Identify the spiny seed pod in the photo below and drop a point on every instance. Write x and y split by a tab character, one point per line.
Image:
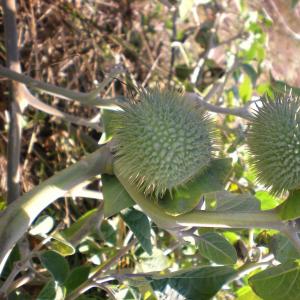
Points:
274	142
162	141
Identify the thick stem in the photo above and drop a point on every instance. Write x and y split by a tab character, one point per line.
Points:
19	215
17	103
226	219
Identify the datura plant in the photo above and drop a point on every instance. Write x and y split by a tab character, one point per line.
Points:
162	141
274	142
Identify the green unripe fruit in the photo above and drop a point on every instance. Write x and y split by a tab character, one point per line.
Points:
162	141
274	142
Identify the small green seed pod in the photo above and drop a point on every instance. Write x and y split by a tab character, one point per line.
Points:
274	142
162	141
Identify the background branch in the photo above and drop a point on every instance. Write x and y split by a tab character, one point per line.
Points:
84	98
287	28
17	103
242	112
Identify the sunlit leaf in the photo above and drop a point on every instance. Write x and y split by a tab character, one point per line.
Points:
246	293
42	225
245	89
155	262
61	245
267	201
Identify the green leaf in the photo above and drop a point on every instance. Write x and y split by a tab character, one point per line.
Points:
224	201
61	245
139	224
52	291
68	233
115	196
249	70
187	197
267	201
246	293
215	247
245	89
183	72
278	283
265	89
201	283
290	208
55	264
283	249
108	233
76	277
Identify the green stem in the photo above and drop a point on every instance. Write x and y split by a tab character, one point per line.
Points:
226	219
149	207
18	216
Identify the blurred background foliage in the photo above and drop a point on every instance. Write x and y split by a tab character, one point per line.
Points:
230	51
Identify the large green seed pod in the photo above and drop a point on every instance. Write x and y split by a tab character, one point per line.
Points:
162	141
274	142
